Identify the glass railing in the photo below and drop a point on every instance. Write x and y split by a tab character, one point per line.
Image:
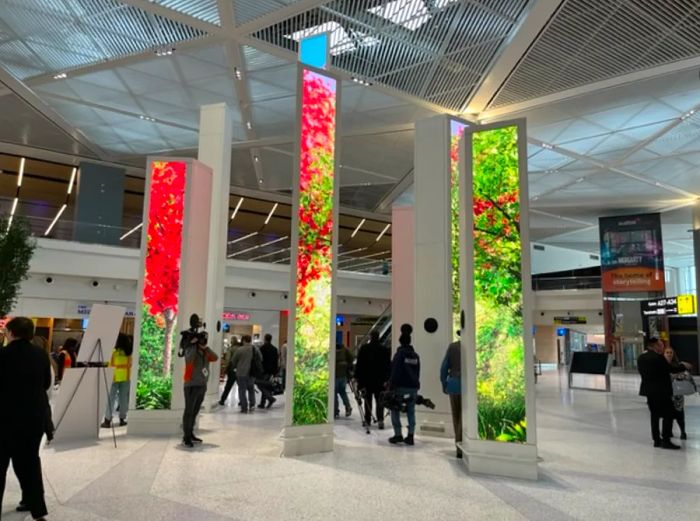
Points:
558	283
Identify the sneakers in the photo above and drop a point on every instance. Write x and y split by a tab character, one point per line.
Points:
122	423
195	439
222	403
666	444
107	424
380	426
396	439
408	440
244	410
348	411
188	443
271	401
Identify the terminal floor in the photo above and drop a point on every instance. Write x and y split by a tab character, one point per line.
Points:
597	464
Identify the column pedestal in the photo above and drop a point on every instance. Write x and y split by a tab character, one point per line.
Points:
307	439
500	459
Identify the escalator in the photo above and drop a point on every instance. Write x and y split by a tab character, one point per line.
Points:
383	327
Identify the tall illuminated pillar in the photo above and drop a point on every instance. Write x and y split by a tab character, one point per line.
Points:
311	333
497	350
172	285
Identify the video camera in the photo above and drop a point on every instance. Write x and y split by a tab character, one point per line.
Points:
193	336
399	402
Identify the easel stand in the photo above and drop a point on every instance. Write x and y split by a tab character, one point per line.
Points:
96	350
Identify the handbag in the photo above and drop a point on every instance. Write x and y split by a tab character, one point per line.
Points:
684	387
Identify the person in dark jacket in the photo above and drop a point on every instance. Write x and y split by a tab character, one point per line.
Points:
451	379
405	382
271	366
372	372
25	377
656	386
343	370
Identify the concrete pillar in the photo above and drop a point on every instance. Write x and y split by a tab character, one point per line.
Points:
402	269
433	272
100	204
215	151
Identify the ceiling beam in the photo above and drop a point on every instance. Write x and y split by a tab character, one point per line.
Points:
512	51
397	191
30	98
278	15
171	14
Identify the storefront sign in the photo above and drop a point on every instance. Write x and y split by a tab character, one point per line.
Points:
570	320
84	309
687	304
631	253
681	305
235	315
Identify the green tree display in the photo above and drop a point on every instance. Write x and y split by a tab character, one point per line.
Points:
16	250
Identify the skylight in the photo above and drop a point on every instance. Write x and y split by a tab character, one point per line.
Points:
340	39
409	13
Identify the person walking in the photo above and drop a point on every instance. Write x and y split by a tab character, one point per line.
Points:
270	363
679	400
197	358
230	370
656	386
372	373
343	370
121	382
66	357
247	361
25	378
451	379
405	382
283	364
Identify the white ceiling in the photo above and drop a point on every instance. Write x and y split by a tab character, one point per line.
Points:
606	135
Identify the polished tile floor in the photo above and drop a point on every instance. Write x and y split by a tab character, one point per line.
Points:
597	464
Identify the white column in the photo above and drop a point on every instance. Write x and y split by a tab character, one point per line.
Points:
432	297
402	269
215	151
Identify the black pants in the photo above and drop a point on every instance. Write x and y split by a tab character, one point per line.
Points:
379	409
194	396
679	416
230	380
265	386
456	407
661	407
23	451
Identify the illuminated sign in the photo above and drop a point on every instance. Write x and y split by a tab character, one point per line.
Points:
235	315
687	304
680	305
570	320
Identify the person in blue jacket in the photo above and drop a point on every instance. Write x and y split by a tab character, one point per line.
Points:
405	382
451	378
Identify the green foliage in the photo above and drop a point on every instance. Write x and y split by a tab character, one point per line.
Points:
154	388
498	286
16	250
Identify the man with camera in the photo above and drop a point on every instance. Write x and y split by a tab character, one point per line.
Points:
193	346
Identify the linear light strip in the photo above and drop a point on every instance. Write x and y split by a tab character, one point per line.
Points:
20	174
350	252
131	231
272	254
55	219
257	246
238	207
358	228
243	238
365	257
269	216
386	229
72	180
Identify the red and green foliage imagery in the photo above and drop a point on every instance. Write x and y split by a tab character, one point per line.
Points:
500	353
312	336
456	133
161	284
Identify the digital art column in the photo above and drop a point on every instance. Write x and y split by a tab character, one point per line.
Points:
163	227
498	291
456	133
315	217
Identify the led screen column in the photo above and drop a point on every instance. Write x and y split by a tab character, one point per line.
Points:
499	413
312	324
456	133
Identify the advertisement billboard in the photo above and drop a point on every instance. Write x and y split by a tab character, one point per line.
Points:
631	253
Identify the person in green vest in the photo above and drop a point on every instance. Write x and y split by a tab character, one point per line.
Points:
121	383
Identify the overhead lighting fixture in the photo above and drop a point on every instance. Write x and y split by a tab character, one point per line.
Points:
237	73
258	246
361	81
410	14
269	216
165	51
137	227
358	228
20	173
60	76
271	254
351	252
547	146
256	158
249	125
386	229
55	219
72	180
12	212
243	238
238	207
147	118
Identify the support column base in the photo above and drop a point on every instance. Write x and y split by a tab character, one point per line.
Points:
307	439
165	422
434	424
500	459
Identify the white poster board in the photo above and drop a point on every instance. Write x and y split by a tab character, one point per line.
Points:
104	324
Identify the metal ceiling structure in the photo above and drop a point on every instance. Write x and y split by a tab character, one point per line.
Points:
609	88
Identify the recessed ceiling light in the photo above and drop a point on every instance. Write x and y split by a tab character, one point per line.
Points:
60	76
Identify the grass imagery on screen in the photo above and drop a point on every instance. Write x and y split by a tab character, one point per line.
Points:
456	133
161	284
312	335
500	374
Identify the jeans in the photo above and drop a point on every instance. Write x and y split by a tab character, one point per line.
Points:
23	451
341	388
246	392
230	380
410	396
119	390
194	396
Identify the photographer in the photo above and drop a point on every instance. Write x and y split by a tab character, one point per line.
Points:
405	382
193	346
